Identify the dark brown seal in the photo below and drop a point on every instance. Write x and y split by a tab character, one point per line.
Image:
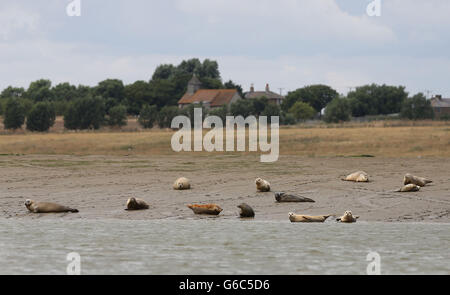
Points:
246	211
136	204
283	197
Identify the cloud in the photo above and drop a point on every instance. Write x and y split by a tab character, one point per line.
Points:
15	21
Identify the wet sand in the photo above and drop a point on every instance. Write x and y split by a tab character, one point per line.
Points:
99	186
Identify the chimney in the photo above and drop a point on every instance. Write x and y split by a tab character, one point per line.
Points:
267	87
252	88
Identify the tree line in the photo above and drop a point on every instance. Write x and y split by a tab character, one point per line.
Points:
155	101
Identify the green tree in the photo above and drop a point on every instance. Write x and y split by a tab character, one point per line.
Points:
110	88
231	85
259	105
85	113
165	116
287	119
271	110
302	111
12	92
317	96
137	94
39	90
117	116
338	110
41	117
148	116
14	116
64	92
377	100
242	107
220	112
417	108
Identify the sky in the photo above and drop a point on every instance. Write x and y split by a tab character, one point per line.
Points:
286	43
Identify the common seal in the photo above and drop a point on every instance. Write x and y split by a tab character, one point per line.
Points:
347	217
358	176
411	179
182	184
136	204
44	207
246	211
305	218
262	185
208	209
409	188
283	197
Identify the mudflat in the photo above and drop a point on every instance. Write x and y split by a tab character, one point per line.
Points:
99	186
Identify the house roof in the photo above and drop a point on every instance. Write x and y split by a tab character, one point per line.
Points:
440	102
215	97
258	94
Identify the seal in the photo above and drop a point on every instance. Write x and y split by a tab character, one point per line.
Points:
44	207
284	198
411	179
246	211
347	217
358	176
306	218
136	204
409	188
208	209
182	184
262	185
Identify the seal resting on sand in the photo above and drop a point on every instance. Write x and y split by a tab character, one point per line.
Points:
136	204
359	176
283	197
182	184
305	218
208	209
44	207
246	211
411	179
409	188
347	217
262	185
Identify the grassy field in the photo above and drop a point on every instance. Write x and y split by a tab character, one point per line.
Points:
382	138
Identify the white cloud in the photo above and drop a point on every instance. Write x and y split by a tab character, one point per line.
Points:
15	20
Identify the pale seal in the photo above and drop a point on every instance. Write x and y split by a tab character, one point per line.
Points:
136	204
246	211
182	184
44	207
359	176
306	218
284	198
409	188
208	209
262	185
411	179
347	217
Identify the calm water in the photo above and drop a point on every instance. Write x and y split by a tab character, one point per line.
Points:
221	247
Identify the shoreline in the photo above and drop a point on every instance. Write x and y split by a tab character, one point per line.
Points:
99	186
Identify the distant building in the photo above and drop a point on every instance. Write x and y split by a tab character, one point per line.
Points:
209	98
271	96
441	106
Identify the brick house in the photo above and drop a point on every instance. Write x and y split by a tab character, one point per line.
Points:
441	106
209	98
271	96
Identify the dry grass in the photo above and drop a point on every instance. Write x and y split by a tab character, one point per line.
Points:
356	139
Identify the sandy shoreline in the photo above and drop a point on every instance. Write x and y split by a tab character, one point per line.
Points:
99	186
